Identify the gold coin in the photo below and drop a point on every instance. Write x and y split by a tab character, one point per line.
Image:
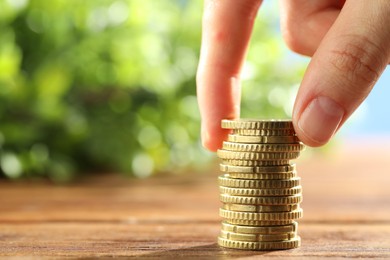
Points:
256	237
255	163
262	148
248	222
261	176
261	192
256	124
263	216
268	132
260	230
257	169
263	139
276	245
260	208
226	198
224	154
259	184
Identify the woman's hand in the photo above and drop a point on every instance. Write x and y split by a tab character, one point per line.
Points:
349	44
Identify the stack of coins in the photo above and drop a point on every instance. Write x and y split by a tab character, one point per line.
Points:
260	190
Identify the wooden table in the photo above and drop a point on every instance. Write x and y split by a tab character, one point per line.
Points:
346	212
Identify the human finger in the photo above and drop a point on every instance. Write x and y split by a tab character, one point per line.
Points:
227	26
343	70
305	23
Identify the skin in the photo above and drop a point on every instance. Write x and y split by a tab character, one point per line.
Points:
349	42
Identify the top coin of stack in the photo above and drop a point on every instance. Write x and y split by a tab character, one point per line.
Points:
260	190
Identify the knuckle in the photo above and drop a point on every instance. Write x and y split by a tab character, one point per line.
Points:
357	61
294	36
292	39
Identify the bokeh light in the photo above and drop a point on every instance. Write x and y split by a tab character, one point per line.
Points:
109	86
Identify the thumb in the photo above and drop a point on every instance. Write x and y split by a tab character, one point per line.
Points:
343	70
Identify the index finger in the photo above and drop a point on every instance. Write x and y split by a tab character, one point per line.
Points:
227	26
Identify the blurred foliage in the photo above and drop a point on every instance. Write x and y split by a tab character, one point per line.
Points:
99	85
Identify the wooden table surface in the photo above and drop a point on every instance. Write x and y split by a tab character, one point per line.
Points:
346	212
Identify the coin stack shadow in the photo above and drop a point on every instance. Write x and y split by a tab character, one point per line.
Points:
260	190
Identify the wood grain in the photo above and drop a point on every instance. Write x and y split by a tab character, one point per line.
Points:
346	213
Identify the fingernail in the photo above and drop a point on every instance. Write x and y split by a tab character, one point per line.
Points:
320	120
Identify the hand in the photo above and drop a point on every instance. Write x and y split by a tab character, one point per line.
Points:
349	44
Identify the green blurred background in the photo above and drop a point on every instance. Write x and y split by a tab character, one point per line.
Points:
109	86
